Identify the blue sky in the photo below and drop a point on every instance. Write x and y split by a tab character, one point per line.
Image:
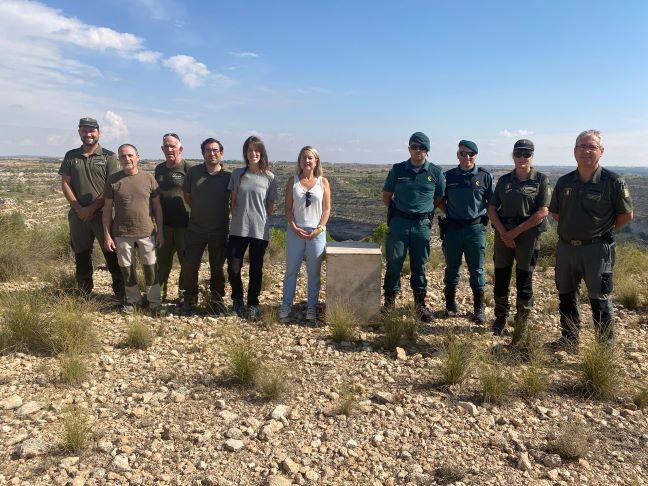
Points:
352	78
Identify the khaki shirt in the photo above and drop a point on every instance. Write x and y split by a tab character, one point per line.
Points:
88	175
131	195
210	200
516	200
589	209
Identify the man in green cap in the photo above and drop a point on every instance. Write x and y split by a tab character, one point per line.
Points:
589	203
84	171
468	189
170	176
412	190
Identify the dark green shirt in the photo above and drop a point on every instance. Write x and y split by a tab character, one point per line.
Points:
414	190
589	209
88	174
467	192
516	200
175	211
209	200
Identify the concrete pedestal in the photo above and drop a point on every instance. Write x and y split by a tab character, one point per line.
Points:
353	276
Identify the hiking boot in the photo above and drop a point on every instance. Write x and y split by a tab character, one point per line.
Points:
390	302
423	313
254	313
237	307
186	309
284	313
311	313
479	308
563	344
450	302
128	309
158	311
498	325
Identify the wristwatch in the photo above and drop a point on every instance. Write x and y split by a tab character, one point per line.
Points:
321	228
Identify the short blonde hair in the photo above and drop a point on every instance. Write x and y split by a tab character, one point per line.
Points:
318	168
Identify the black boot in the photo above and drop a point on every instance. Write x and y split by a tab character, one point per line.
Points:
450	303
422	311
479	307
502	308
603	320
390	302
523	309
569	323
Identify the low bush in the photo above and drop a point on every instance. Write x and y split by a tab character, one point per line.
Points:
276	249
399	325
342	321
348	398
573	442
271	382
76	430
640	399
456	360
600	370
138	334
72	367
534	380
243	364
496	385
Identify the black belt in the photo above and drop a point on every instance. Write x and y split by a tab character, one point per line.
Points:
607	237
464	222
414	216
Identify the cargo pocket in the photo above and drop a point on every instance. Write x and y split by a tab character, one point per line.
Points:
606	283
534	259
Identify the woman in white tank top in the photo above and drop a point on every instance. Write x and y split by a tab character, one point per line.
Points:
307	207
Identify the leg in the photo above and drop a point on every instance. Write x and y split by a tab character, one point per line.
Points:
81	240
314	255
257	252
475	248
568	276
503	257
419	252
397	242
217	250
111	258
236	247
599	280
179	236
452	251
126	259
295	249
165	258
147	255
194	248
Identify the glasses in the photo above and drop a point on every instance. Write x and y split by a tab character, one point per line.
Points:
215	150
527	154
308	198
416	146
463	153
174	135
588	147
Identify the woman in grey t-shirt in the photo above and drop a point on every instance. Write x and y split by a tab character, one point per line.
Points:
253	194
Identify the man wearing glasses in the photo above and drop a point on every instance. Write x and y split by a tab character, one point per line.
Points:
170	176
468	189
205	192
412	190
589	204
518	211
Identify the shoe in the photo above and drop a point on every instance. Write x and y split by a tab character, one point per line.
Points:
479	308
284	313
390	302
311	313
563	344
423	313
158	311
128	309
451	304
498	326
186	309
254	313
237	307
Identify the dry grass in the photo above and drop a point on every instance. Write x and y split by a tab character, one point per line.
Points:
138	334
640	399
72	368
342	321
271	382
76	430
456	361
400	326
601	373
449	473
573	442
495	383
243	364
269	316
348	398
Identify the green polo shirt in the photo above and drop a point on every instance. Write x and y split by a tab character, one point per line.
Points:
589	209
88	174
415	188
209	200
175	211
516	200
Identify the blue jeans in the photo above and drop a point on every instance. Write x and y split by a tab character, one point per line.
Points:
296	250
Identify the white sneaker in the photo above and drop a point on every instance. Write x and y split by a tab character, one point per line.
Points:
311	314
284	313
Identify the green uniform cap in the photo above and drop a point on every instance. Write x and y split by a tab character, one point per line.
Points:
468	144
88	122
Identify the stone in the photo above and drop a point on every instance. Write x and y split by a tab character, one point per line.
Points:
353	275
234	445
227	416
29	408
18	437
524	463
552	461
383	397
280	411
31	448
270	429
277	480
290	466
68	463
469	407
11	402
104	445
553	474
401	355
234	433
120	463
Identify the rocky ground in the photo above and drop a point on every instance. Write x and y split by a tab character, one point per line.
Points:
171	415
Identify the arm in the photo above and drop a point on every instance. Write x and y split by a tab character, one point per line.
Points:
84	213
501	231
326	208
622	219
106	220
288	211
555	216
269	207
232	202
439	203
157	215
534	220
387	197
187	198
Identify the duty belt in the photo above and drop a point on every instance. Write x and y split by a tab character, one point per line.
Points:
607	237
413	216
464	222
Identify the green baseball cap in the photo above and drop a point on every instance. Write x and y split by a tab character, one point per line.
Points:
88	122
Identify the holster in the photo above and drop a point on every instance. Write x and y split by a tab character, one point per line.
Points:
443	226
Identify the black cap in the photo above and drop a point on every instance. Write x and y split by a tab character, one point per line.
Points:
524	144
88	122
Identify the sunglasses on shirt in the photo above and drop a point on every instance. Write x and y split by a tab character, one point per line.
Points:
308	198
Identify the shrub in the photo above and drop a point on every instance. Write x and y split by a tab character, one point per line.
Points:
276	250
25	324
531	346
456	361
269	315
243	363
496	385
573	442
341	321
76	430
600	370
138	334
61	281
72	367
640	398
534	380
73	330
271	382
449	473
399	325
627	292
348	398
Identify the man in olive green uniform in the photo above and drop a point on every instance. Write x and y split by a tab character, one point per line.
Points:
205	191
170	176
83	176
589	204
411	191
518	211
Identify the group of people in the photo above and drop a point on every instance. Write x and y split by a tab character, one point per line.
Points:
205	206
589	204
194	207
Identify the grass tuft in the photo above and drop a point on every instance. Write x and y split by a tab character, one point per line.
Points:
271	382
573	442
348	398
640	399
399	326
76	430
449	473
628	293
269	315
456	361
72	367
138	334
496	385
534	380
600	370
243	363
341	321
276	249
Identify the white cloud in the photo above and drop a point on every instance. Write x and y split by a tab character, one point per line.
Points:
244	54
515	133
192	72
114	128
147	56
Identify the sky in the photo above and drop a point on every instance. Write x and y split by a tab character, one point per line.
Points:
352	78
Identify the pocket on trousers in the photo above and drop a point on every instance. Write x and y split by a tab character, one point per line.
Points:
606	283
